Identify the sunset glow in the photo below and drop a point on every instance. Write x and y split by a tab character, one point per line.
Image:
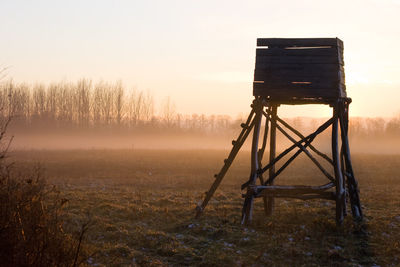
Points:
201	54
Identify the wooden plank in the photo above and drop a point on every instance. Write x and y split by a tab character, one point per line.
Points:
299	42
304	70
316	87
280	97
262	61
300	93
301	67
290	72
287	85
325	195
294	189
276	51
331	53
302	100
274	79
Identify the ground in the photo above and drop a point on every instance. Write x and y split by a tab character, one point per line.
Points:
141	204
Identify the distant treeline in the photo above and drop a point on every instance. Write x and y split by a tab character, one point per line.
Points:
85	104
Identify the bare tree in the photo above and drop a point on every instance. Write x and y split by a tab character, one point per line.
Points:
168	111
82	101
119	101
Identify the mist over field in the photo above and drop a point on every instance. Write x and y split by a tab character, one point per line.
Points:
88	115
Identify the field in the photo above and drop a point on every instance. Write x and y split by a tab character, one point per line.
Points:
141	207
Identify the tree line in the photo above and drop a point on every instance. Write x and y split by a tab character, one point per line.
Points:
85	104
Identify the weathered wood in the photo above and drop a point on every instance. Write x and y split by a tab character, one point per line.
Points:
247	212
344	175
301	67
299	42
290	75
305	139
291	189
296	71
276	51
302	92
219	177
306	152
265	137
283	167
262	61
324	195
261	155
351	181
319	153
245	126
317	85
295	82
272	151
301	101
298	68
340	194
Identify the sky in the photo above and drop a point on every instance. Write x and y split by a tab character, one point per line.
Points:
199	53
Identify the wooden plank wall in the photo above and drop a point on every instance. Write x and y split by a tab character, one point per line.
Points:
299	68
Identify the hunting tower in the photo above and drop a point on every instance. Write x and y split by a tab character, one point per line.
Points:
296	72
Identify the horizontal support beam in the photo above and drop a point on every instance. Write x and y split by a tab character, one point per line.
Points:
291	189
326	195
265	61
307	52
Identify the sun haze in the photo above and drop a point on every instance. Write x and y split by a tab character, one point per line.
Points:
200	53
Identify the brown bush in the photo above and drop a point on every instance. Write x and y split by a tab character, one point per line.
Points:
31	225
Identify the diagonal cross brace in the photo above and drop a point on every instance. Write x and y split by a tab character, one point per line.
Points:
308	139
319	153
303	148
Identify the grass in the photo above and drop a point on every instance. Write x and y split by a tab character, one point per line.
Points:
141	207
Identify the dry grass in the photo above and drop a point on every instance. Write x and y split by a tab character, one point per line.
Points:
142	207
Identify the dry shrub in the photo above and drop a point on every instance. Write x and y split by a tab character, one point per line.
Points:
31	225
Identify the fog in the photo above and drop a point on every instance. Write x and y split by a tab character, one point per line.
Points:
79	139
87	115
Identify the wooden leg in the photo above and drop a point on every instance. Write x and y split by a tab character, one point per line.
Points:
247	212
272	151
343	169
351	181
261	155
336	165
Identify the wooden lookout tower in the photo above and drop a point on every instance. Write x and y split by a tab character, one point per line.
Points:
296	72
